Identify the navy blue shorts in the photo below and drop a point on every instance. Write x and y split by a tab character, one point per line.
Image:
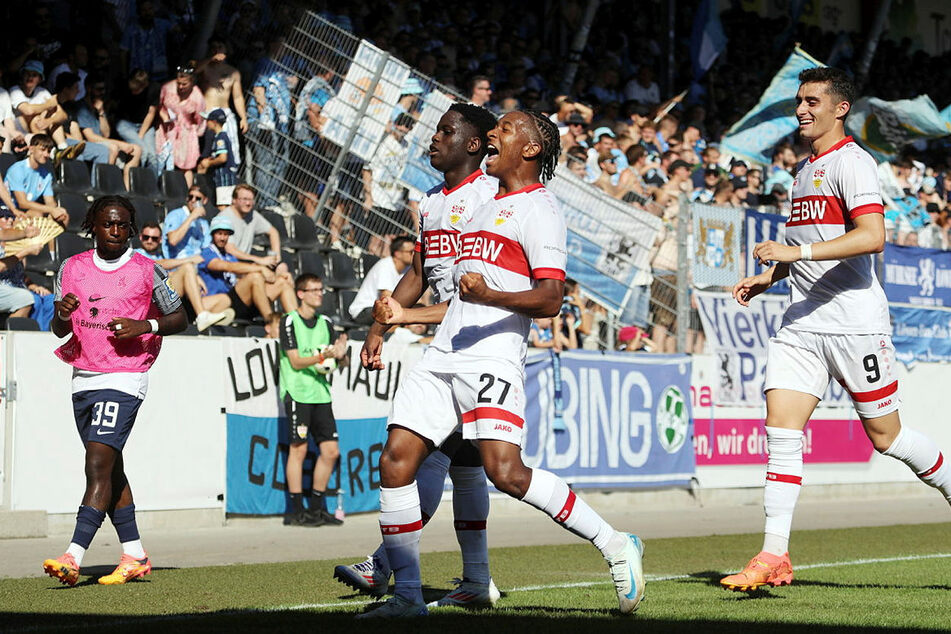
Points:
105	416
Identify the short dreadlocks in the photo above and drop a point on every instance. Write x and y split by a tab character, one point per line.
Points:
478	117
550	141
103	203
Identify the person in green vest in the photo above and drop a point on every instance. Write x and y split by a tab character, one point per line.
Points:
307	358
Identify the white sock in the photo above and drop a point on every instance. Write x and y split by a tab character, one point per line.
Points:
470	508
77	552
133	549
431	482
923	457
549	493
783	483
401	524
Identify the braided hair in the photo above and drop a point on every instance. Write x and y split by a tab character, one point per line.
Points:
478	117
105	202
550	141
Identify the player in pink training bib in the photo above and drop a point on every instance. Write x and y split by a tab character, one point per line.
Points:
510	268
115	305
836	326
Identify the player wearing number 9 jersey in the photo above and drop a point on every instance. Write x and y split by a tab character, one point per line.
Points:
115	305
510	268
836	326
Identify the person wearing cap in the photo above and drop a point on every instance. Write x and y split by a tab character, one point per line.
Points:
741	191
705	193
738	168
564	108
244	286
221	164
29	99
633	338
678	180
709	160
602	142
182	276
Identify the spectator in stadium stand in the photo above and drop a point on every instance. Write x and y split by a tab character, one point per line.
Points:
575	131
706	192
94	124
643	88
678	181
246	225
29	99
564	108
709	160
18	297
137	106
935	234
101	64
37	39
546	332
479	88
575	160
639	166
143	43
649	141
8	124
180	122
738	168
779	171
221	163
723	195
75	61
666	128
615	183
221	83
383	193
55	125
754	179
243	286
657	175
603	143
381	279
183	277
741	191
573	304
30	181
693	139
634	339
269	119
605	88
185	230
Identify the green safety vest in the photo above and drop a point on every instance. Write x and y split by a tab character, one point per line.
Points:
307	385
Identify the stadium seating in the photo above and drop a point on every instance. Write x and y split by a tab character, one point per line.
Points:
145	210
76	205
73	176
68	244
254	330
22	323
207	188
6	160
311	262
305	233
367	260
107	180
342	273
173	187
144	183
329	305
43	262
277	220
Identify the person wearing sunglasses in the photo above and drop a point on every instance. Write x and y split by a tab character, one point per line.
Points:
183	277
186	230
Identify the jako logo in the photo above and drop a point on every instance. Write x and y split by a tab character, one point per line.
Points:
884	403
501	427
806	210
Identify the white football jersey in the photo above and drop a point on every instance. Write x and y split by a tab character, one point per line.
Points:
442	215
513	240
835	296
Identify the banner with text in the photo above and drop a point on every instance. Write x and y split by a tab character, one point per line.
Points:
917	276
627	419
921	334
761	227
738	337
257	437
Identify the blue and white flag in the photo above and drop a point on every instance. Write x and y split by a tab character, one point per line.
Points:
761	227
773	117
917	276
946	114
921	334
885	127
707	40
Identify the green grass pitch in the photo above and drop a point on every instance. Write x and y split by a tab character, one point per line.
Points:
894	578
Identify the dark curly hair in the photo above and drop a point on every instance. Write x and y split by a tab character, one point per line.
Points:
105	202
837	81
550	141
478	117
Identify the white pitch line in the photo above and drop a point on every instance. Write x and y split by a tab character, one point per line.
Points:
554	586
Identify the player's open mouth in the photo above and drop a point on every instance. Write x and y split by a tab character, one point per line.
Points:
804	122
432	150
491	154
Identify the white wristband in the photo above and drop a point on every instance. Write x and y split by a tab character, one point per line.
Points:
805	251
154	324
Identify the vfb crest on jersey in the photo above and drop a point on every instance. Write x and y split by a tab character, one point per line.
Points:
817	177
457	211
503	215
671	419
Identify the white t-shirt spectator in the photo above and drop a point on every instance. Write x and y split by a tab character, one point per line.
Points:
17	97
245	228
649	95
382	277
6	107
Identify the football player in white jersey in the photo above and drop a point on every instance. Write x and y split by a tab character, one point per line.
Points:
510	268
457	150
836	326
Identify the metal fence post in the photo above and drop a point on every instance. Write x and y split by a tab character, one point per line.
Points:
683	279
331	187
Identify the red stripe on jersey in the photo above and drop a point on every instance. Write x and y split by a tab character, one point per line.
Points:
937	465
816	210
835	147
782	477
396	529
523	190
565	511
490	247
871	208
492	413
548	274
875	395
441	243
418	248
468	179
469	525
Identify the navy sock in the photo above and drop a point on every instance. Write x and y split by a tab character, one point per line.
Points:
88	521
124	521
297	502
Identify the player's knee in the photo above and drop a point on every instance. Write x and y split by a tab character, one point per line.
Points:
509	479
330	451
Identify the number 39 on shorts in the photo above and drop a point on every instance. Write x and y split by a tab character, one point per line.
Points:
105	413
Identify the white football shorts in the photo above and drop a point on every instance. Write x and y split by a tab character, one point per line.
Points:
489	403
863	364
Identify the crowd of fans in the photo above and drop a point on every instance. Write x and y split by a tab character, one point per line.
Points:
142	83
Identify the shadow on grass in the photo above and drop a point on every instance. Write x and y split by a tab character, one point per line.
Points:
89	576
520	620
712	578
